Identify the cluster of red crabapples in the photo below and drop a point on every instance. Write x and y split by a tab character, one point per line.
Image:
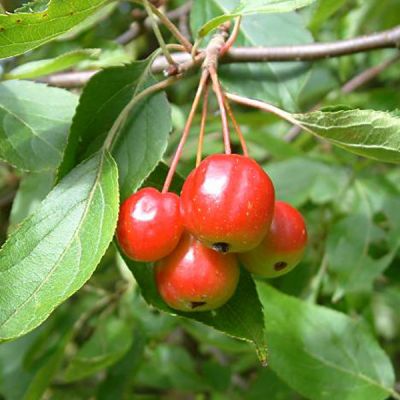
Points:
226	213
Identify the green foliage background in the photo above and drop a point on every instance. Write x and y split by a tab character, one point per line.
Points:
328	330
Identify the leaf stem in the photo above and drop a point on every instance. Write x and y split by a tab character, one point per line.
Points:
109	142
236	126
220	97
202	125
268	108
158	34
316	282
186	131
169	25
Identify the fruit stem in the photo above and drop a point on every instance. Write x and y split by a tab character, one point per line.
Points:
202	125
220	97
158	33
186	131
232	38
236	126
169	25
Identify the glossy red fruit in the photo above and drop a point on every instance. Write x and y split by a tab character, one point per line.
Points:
282	248
227	202
196	278
149	225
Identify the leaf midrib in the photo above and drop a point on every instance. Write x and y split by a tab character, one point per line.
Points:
90	197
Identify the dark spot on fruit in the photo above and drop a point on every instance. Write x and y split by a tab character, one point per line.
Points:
280	265
2	29
45	15
195	304
221	247
18	21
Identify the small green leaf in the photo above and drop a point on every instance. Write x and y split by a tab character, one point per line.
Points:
32	134
33	6
24	31
321	353
247	7
35	69
55	251
110	341
369	133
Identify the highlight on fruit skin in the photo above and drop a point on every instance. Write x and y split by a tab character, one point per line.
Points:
282	248
196	278
227	202
149	225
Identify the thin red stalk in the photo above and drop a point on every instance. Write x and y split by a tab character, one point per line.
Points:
202	125
220	97
186	131
232	38
236	127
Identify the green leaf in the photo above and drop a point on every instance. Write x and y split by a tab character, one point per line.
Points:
372	134
171	367
90	22
55	251
16	376
352	263
353	269
298	180
276	83
33	6
28	364
23	31
50	367
32	134
142	142
268	382
321	353
110	341
102	100
246	7
31	191
36	69
241	317
119	375
324	10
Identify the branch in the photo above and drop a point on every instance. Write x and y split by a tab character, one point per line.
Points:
308	52
143	24
368	75
317	51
